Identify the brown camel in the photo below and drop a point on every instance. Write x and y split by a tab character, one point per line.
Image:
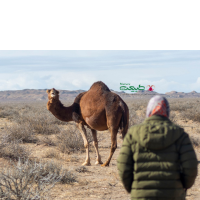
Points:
99	109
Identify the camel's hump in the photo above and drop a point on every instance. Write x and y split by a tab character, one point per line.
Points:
99	85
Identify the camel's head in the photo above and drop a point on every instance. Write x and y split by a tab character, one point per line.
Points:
53	94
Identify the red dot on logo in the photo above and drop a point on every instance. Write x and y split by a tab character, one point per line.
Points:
150	89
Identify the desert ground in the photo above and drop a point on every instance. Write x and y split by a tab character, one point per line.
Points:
29	132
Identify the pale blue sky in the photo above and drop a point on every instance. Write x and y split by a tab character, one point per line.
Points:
73	70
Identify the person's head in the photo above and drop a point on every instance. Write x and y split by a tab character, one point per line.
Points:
158	105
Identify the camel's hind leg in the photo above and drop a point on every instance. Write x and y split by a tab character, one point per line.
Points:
86	144
95	143
113	145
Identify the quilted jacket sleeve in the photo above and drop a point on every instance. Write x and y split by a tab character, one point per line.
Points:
125	162
188	161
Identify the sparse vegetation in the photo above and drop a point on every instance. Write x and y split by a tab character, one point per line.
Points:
195	141
51	153
13	150
31	180
70	140
189	109
20	132
81	169
31	128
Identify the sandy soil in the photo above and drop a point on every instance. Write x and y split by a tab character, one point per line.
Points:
101	182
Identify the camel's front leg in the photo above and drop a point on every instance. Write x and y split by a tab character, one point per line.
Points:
86	144
95	143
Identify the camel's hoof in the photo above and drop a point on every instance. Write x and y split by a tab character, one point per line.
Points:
105	165
86	164
98	162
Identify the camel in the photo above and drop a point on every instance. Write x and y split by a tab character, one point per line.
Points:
99	109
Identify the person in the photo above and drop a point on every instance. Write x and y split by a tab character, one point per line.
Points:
157	160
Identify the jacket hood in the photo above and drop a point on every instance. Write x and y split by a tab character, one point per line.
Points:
157	132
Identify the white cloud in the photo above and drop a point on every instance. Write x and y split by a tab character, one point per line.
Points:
72	70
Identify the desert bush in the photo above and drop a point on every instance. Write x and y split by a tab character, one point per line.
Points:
181	104
31	180
19	132
8	112
31	112
191	114
47	141
13	150
188	108
81	169
132	116
35	116
134	106
26	127
172	117
135	118
70	139
195	141
137	104
39	122
51	153
68	178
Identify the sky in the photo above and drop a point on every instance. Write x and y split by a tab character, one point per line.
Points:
167	70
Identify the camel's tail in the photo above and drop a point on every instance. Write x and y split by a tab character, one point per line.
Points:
123	127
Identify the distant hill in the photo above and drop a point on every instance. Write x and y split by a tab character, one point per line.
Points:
39	95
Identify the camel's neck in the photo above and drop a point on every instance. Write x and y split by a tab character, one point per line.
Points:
59	111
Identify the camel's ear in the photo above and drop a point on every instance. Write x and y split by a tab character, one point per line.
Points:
48	91
57	91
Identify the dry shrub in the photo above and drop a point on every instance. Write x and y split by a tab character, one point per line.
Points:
31	180
27	125
39	122
135	118
181	104
132	116
51	153
8	112
135	105
172	117
81	169
70	139
13	150
47	141
188	108
191	114
19	132
195	141
35	116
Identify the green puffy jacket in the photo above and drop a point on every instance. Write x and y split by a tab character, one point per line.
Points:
157	160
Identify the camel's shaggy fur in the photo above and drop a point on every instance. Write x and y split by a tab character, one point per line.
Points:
99	109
